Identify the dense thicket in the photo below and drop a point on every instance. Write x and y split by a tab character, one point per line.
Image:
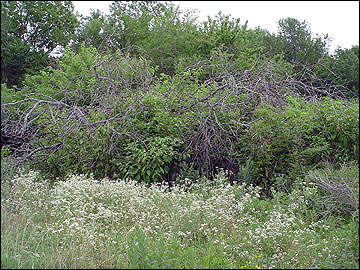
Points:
149	93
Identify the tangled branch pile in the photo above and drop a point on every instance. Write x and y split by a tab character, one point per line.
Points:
114	115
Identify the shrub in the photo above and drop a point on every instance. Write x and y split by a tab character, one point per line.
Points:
303	134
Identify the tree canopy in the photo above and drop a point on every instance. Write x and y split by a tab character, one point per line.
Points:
30	30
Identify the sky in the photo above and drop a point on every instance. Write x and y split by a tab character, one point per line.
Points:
338	19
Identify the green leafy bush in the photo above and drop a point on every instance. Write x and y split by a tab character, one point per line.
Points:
303	134
150	160
73	83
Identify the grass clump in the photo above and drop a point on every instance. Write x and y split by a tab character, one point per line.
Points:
87	223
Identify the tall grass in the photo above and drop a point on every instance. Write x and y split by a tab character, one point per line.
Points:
85	223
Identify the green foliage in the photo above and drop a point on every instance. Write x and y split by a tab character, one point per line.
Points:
93	31
80	79
148	161
172	38
73	83
304	134
341	71
298	44
224	37
29	33
146	95
131	21
10	94
5	152
149	155
145	252
146	92
221	31
249	172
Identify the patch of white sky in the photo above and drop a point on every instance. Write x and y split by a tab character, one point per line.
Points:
338	19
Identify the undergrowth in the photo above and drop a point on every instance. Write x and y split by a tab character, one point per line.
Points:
86	223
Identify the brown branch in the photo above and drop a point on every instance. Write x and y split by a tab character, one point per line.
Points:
43	148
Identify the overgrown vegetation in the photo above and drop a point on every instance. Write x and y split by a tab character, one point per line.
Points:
198	144
81	222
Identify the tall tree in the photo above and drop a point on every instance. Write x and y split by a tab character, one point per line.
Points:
346	67
159	31
341	70
30	31
298	44
132	20
222	31
94	30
